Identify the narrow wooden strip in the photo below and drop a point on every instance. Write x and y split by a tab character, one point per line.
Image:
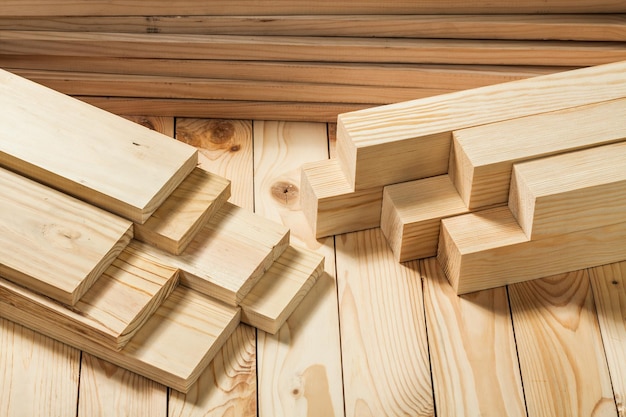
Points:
172	348
383	326
570	192
52	243
322	49
380	146
589	27
562	360
488	249
483	156
607	282
39	376
464	335
190	206
131	169
412	212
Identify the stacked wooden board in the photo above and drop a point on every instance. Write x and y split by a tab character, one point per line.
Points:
296	60
502	183
114	242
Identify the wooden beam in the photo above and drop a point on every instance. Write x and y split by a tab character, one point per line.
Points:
488	249
52	243
412	212
375	156
570	192
482	157
190	206
86	152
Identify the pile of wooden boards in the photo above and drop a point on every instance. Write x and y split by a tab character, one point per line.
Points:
296	60
112	240
502	183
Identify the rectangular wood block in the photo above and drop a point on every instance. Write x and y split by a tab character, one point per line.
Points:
52	243
86	152
483	156
412	212
488	249
113	309
400	142
570	192
175	223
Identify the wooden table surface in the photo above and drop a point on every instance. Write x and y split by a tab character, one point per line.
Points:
372	338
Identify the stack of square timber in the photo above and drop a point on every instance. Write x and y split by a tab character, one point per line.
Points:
502	183
296	59
114	242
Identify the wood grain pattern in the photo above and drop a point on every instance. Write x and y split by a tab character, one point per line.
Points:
607	282
382	324
39	376
483	156
52	243
375	156
131	169
558	341
472	347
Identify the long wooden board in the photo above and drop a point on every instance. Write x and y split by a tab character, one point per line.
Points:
108	161
570	192
52	243
411	140
488	249
482	157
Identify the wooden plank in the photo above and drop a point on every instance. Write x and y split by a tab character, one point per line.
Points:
289	7
412	212
570	192
380	146
483	156
607	282
589	27
39	376
488	249
164	125
299	368
560	350
53	243
113	309
176	222
382	325
331	206
322	49
172	348
137	168
464	335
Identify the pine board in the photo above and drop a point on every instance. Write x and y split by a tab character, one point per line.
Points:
558	341
52	243
570	192
472	348
421	130
136	167
482	157
176	222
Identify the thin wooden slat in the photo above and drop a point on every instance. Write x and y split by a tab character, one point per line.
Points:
488	249
562	360
190	206
99	157
411	140
483	156
589	27
53	243
412	212
172	348
570	192
472	349
322	49
607	282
